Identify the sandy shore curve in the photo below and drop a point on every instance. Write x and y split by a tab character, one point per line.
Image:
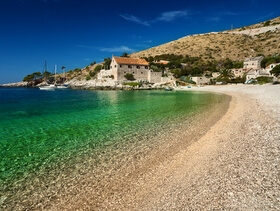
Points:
232	164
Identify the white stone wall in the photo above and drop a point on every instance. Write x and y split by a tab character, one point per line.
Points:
200	80
154	77
238	72
104	74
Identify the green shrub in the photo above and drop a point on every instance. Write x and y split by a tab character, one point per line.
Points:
92	73
264	79
88	78
97	68
77	70
129	76
267	23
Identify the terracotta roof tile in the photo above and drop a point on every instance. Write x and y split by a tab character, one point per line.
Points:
126	60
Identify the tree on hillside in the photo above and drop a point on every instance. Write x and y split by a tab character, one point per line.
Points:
107	63
226	73
124	54
97	68
37	75
269	60
46	74
275	71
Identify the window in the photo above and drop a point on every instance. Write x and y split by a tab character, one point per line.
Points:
146	67
129	66
141	72
138	67
124	72
120	65
115	66
133	72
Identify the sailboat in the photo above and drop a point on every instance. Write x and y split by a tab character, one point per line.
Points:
51	86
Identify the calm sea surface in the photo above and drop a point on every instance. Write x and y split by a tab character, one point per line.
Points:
40	128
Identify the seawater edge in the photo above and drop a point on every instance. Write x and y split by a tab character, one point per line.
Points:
118	159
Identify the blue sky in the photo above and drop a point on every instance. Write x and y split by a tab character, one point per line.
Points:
74	33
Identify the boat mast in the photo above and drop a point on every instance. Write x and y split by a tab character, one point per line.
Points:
55	74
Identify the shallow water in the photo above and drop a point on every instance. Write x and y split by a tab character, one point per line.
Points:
43	128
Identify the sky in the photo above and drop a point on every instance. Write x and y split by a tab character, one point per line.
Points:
74	33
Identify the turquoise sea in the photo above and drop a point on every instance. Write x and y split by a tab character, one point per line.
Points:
42	128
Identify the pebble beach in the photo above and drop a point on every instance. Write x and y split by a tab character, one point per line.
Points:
234	166
228	159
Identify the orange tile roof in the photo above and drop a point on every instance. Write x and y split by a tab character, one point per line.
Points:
272	64
162	62
126	60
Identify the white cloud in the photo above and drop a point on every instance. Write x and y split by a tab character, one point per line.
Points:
135	19
165	17
118	49
172	15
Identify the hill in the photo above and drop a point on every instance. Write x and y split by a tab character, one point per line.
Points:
238	44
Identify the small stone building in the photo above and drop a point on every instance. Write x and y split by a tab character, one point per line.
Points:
120	66
253	74
253	63
201	80
239	72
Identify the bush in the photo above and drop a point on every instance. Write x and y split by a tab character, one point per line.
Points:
77	70
97	68
88	78
267	23
92	73
129	76
263	80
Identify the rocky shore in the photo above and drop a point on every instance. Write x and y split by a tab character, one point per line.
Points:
17	84
97	85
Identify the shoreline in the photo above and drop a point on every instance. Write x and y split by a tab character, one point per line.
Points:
235	165
231	164
121	166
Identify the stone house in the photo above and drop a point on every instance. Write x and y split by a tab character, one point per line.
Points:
238	72
253	74
120	66
253	63
215	74
201	80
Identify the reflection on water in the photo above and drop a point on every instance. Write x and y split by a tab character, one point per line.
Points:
40	129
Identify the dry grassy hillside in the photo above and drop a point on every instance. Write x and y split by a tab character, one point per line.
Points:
275	21
220	45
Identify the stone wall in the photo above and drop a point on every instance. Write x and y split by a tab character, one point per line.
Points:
154	77
200	80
